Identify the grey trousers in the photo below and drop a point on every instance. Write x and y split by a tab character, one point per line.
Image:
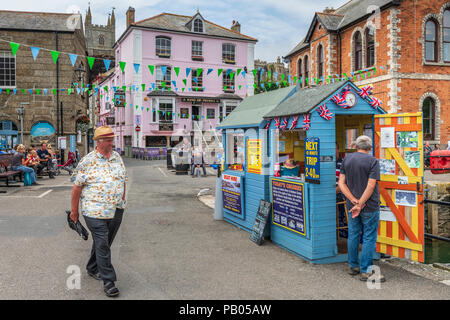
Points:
103	233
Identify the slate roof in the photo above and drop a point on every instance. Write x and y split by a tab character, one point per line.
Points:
251	111
304	100
173	22
42	21
340	18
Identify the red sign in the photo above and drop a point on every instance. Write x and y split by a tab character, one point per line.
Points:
138	128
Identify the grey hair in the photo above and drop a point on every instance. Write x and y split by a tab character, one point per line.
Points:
100	140
363	143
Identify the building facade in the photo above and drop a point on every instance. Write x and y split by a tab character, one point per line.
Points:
183	92
36	85
411	37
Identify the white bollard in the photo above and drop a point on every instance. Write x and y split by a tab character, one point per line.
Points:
218	213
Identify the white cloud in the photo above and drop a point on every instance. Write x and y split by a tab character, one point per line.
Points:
278	25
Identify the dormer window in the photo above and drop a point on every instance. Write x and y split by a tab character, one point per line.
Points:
198	25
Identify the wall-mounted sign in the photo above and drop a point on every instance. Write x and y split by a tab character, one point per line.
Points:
288	205
254	156
232	193
43	131
200	100
138	128
62	143
119	99
312	160
110	120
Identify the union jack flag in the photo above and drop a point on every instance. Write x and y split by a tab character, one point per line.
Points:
340	101
294	123
325	113
365	92
346	88
277	123
267	125
375	102
306	122
285	123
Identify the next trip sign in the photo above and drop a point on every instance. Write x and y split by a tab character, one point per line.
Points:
312	160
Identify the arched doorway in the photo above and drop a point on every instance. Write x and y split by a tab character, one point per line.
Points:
9	135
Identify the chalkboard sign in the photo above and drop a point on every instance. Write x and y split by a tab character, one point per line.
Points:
263	213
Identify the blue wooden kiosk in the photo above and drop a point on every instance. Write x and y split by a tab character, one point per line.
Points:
304	125
244	186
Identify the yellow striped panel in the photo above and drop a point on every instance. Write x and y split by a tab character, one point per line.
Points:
400	243
401	162
389	178
395	238
420	170
382	235
406	120
387	121
415	230
395	115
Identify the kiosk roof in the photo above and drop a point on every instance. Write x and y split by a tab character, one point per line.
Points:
304	100
251	111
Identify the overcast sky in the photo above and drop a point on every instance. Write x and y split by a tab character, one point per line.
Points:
277	24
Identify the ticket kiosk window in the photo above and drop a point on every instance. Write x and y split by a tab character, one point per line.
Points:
236	151
290	151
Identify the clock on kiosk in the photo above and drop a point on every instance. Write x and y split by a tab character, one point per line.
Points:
350	98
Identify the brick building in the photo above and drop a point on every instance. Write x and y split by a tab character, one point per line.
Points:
411	37
42	118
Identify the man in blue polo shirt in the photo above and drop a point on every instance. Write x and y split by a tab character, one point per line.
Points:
45	160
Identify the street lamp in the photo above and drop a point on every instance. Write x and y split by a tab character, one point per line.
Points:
20	111
80	72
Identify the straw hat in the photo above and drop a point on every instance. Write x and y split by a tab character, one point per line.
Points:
103	132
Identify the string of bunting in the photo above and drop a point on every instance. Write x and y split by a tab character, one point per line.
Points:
360	74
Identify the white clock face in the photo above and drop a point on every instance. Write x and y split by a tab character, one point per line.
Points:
350	98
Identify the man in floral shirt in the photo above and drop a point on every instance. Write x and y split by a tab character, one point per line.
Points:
99	193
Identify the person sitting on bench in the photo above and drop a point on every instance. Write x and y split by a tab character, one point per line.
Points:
18	163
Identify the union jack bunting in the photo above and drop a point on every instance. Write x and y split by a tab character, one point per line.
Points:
267	125
365	92
306	122
375	102
340	101
294	123
346	88
325	113
277	123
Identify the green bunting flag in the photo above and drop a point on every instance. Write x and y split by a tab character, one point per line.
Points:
270	75
163	84
199	72
238	72
122	66
105	88
148	109
151	68
55	55
38	91
231	76
282	77
182	89
90	61
177	70
69	91
14	47
124	88
219	71
254	72
240	87
54	91
23	91
143	87
185	82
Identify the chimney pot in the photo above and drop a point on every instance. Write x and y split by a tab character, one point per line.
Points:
130	16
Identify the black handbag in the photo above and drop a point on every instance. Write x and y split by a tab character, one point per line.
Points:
78	227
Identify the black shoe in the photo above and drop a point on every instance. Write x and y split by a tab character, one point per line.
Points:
353	271
110	289
96	275
36	184
51	177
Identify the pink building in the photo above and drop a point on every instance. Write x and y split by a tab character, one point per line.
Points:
196	100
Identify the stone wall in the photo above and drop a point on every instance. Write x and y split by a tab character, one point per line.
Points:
440	192
41	74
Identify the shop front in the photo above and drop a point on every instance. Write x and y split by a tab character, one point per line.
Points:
306	132
9	135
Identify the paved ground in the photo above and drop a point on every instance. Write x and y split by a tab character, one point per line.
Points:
168	247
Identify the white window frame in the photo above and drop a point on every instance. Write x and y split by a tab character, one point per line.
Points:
164	49
195	48
228	51
202	26
6	54
159	78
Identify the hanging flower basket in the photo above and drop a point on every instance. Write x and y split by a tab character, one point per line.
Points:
83	123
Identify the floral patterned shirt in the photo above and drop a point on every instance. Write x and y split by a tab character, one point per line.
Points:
103	184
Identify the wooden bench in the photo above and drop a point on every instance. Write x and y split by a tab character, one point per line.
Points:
6	171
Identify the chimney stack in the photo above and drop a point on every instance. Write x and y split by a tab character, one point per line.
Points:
130	16
236	27
329	10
